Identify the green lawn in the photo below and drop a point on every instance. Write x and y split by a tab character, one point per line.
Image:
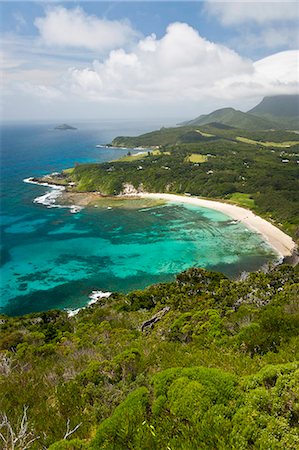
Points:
136	157
242	199
130	158
196	158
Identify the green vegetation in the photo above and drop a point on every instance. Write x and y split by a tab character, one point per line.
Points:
140	155
196	158
213	167
68	171
283	109
203	362
205	134
267	144
277	112
129	157
242	199
233	118
218	370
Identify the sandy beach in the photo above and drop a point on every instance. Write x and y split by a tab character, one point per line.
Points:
279	241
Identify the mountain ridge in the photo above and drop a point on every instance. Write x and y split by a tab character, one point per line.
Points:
273	112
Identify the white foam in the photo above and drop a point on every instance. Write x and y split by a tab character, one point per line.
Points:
73	312
75	209
94	296
50	197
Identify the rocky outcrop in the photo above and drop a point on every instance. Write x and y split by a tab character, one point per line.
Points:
129	189
148	324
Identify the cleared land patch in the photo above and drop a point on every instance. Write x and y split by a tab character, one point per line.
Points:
141	155
196	158
205	134
267	144
242	199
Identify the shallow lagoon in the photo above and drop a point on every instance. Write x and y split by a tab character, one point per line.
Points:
65	256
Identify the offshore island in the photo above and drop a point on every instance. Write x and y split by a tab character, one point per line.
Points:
65	126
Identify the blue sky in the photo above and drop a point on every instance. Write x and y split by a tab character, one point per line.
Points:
107	59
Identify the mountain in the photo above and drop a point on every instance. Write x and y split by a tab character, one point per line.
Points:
233	118
276	112
277	106
283	109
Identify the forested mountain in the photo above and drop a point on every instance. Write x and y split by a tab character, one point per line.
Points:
276	112
278	106
233	118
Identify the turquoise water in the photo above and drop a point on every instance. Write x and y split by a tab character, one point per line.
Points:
54	259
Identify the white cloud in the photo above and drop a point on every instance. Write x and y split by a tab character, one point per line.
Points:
182	66
260	12
278	38
179	74
273	75
63	27
46	93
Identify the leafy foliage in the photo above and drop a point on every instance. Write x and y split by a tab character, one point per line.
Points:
218	370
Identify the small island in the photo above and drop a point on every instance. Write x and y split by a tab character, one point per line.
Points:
65	126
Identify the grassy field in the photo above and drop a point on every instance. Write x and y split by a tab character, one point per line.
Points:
267	144
68	171
131	158
205	134
242	199
136	157
196	158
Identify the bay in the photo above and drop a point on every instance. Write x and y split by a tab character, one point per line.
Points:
51	258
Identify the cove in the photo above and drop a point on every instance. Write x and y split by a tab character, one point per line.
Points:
59	258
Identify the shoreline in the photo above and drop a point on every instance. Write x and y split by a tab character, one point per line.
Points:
281	243
277	239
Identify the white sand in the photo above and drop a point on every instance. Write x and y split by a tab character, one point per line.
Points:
279	241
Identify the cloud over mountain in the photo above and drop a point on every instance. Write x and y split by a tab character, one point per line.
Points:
183	64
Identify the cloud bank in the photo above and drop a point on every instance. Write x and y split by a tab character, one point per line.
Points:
244	11
63	27
183	65
179	73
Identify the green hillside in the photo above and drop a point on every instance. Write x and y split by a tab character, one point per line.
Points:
283	109
199	134
276	112
278	106
202	362
233	118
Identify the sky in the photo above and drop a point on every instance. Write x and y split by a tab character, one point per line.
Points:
125	60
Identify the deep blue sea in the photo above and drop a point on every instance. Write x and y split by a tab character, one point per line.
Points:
51	258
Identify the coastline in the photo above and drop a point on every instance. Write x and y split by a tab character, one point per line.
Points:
277	239
282	243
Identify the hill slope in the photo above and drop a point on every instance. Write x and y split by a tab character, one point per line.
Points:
283	109
233	118
274	112
278	106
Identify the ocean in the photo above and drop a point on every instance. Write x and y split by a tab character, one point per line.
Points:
52	258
